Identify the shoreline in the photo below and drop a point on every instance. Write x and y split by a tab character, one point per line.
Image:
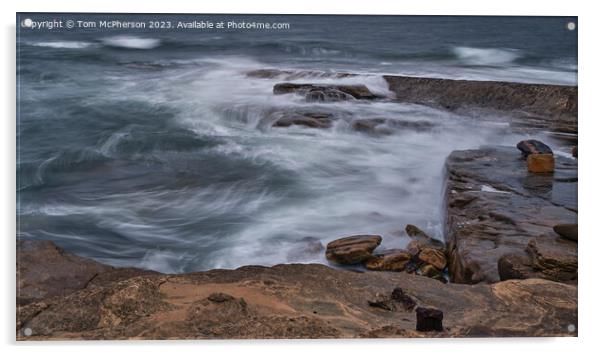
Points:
513	273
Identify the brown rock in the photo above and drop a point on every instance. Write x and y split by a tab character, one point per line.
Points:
434	257
429	270
293	301
308	119
540	163
556	260
568	231
512	207
529	147
429	319
394	261
422	237
352	249
515	266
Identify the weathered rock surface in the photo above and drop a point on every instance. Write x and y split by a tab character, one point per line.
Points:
326	93
540	163
393	261
45	270
352	249
291	301
533	105
495	207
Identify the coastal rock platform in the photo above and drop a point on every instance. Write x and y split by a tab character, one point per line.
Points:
283	301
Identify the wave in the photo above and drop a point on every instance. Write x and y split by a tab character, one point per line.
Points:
486	56
63	44
131	42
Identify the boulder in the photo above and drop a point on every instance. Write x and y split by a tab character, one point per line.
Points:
567	231
429	319
515	266
393	261
540	163
326	93
422	237
434	257
352	249
529	147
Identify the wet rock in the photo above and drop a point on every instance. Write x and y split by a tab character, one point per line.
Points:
393	261
574	151
386	126
554	259
422	237
352	249
308	119
568	231
553	107
528	147
511	207
540	163
326	93
429	319
434	257
515	266
239	303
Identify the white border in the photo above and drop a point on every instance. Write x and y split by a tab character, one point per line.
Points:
589	183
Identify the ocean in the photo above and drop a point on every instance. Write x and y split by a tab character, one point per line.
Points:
153	148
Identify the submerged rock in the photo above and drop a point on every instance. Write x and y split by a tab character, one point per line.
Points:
429	319
386	126
326	93
352	249
308	119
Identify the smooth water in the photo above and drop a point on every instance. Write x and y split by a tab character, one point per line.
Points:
152	149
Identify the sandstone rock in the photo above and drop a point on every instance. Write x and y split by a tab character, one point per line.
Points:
429	319
45	270
504	207
393	261
556	260
293	301
326	93
540	163
429	270
352	249
529	147
434	257
422	237
532	105
398	295
515	266
568	231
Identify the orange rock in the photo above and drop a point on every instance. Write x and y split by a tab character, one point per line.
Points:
540	163
393	262
434	257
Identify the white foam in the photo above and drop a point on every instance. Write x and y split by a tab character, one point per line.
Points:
486	56
63	44
132	42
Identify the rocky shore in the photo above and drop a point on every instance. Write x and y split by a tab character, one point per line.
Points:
507	265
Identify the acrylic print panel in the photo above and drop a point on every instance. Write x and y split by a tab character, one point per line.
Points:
185	176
